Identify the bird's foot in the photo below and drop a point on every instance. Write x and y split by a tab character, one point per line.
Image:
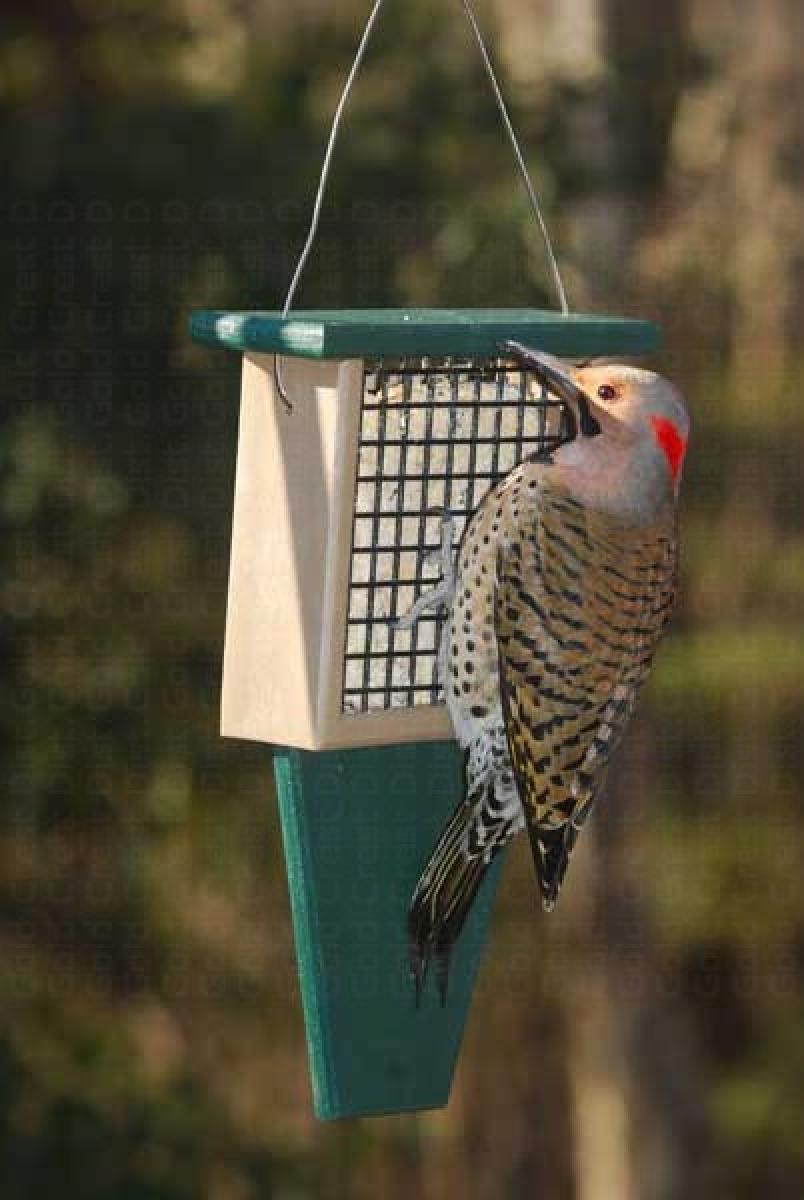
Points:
441	595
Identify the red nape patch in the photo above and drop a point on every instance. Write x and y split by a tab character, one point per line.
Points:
671	442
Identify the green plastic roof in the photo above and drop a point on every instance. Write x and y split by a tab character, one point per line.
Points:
364	333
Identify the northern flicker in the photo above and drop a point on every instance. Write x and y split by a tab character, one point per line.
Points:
564	581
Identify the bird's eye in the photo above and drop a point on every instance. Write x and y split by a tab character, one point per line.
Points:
607	392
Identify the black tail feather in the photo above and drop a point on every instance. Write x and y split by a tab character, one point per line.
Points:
551	854
442	900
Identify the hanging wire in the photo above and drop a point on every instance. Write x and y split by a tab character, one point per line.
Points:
327	163
322	184
529	188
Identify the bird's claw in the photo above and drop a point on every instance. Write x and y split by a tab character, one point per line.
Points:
441	595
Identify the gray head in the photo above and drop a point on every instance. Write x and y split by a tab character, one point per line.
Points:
633	429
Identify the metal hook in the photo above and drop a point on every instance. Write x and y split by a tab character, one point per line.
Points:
280	385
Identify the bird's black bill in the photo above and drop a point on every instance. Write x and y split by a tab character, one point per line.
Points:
558	381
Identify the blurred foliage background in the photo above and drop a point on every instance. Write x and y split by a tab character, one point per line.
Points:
645	1043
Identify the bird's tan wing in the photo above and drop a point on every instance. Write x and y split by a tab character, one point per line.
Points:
579	606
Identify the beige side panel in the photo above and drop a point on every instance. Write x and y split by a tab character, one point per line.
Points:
284	490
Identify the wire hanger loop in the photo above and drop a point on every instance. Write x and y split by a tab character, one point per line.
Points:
330	150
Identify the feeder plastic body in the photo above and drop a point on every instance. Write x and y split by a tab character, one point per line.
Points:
356	825
456	332
362	795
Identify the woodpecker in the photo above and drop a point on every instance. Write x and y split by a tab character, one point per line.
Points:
564	582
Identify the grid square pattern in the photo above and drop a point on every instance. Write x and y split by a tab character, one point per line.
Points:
434	437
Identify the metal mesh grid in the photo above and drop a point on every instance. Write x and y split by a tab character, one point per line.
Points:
434	436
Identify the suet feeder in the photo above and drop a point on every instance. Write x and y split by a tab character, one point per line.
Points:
377	422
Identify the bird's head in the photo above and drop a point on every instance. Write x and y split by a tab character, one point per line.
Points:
632	428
